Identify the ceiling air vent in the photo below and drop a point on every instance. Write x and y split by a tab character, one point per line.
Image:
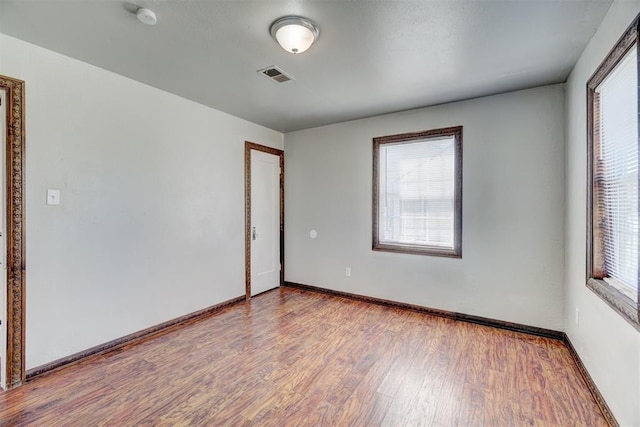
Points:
276	74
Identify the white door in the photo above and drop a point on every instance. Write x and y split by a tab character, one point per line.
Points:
265	221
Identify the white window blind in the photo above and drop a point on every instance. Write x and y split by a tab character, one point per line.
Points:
616	173
417	202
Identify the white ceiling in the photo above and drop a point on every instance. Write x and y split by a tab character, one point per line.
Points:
372	56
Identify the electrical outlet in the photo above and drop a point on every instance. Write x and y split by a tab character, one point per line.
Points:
347	271
577	316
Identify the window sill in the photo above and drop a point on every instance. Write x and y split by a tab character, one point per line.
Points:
417	250
622	304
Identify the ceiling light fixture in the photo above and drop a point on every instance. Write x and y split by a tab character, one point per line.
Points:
146	16
294	34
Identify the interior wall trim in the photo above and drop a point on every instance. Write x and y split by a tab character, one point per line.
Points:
131	338
517	327
591	385
15	264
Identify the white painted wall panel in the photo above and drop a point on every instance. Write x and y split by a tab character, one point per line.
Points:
151	224
513	243
607	344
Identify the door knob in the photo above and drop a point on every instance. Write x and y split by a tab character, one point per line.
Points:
254	234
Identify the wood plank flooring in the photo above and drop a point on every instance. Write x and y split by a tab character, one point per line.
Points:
297	358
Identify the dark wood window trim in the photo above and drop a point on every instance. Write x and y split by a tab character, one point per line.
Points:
15	363
456	252
625	306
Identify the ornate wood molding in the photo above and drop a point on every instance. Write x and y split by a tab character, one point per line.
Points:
416	249
15	365
628	308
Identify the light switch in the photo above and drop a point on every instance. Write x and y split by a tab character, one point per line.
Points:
53	197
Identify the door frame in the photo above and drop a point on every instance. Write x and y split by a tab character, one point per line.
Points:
15	263
248	146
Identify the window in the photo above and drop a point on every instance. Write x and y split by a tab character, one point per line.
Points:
417	192
613	151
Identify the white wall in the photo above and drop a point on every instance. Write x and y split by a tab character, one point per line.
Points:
607	344
513	190
151	225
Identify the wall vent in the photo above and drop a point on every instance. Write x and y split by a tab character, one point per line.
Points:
276	74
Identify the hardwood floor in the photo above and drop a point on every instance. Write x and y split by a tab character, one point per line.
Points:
297	358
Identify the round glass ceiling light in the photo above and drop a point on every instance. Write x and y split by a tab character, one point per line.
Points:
294	34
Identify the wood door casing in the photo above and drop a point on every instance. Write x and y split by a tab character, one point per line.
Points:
248	146
15	364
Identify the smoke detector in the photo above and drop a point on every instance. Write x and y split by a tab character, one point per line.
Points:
146	16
